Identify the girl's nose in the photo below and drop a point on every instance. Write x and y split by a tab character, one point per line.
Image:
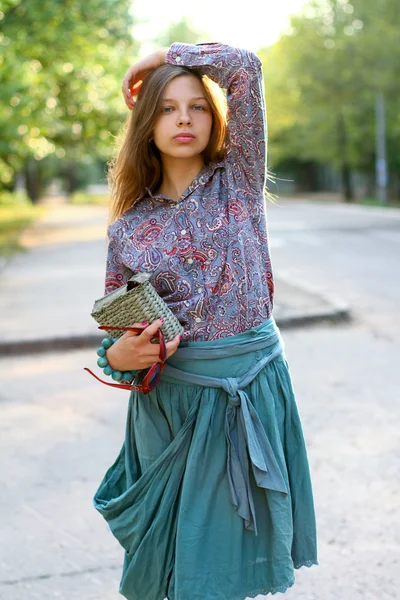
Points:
184	119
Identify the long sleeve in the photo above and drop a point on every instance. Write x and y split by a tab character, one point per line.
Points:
239	72
117	273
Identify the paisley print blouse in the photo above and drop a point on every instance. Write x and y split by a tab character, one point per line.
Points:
208	252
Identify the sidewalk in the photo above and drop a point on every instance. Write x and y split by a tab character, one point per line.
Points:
48	291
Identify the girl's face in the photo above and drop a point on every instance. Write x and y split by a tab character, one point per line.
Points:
184	110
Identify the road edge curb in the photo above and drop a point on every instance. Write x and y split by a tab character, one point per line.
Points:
80	342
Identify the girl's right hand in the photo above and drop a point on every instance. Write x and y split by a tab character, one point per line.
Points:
134	351
138	72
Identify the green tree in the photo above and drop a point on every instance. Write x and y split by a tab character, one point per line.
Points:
322	78
60	84
182	31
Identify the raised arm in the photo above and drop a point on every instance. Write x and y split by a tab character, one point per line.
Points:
239	72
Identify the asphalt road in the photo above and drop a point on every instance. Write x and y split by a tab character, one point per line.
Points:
59	432
350	252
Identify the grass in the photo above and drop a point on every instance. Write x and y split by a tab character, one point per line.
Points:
13	220
82	197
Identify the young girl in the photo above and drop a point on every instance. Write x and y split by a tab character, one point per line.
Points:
210	495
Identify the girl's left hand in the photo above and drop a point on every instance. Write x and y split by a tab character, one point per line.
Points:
138	72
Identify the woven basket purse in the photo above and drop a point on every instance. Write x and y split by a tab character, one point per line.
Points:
135	302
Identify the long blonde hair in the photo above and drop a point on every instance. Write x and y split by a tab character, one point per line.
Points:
137	165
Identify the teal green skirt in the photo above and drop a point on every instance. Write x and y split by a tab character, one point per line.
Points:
210	496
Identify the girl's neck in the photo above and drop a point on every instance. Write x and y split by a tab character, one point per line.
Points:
178	174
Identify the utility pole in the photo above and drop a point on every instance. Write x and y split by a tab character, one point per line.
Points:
381	162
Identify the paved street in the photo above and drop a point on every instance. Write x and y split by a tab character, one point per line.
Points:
48	292
59	431
349	251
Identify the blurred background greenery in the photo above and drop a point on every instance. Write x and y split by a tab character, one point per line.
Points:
330	79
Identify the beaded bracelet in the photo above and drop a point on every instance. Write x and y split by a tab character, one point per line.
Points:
103	362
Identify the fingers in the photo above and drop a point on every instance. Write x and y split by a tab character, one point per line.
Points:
141	344
138	72
130	99
151	330
128	334
172	346
128	84
152	349
134	78
132	82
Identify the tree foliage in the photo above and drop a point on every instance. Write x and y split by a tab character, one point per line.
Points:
182	31
322	78
61	74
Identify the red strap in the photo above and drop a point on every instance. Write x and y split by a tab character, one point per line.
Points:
122	386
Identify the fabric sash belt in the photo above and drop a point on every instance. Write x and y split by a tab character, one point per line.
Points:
245	434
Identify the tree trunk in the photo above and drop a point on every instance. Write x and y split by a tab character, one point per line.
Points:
33	179
345	167
396	186
346	183
71	177
370	186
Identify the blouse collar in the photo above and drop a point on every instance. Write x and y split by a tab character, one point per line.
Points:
203	176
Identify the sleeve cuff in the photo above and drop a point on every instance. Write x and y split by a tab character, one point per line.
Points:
173	54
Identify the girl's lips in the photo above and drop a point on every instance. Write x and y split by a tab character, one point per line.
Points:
187	136
184	138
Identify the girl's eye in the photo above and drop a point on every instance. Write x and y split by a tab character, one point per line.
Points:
167	109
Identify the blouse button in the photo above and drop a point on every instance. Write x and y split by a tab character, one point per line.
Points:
178	59
199	290
183	231
198	320
190	260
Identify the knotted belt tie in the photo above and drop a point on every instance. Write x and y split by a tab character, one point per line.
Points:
244	431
